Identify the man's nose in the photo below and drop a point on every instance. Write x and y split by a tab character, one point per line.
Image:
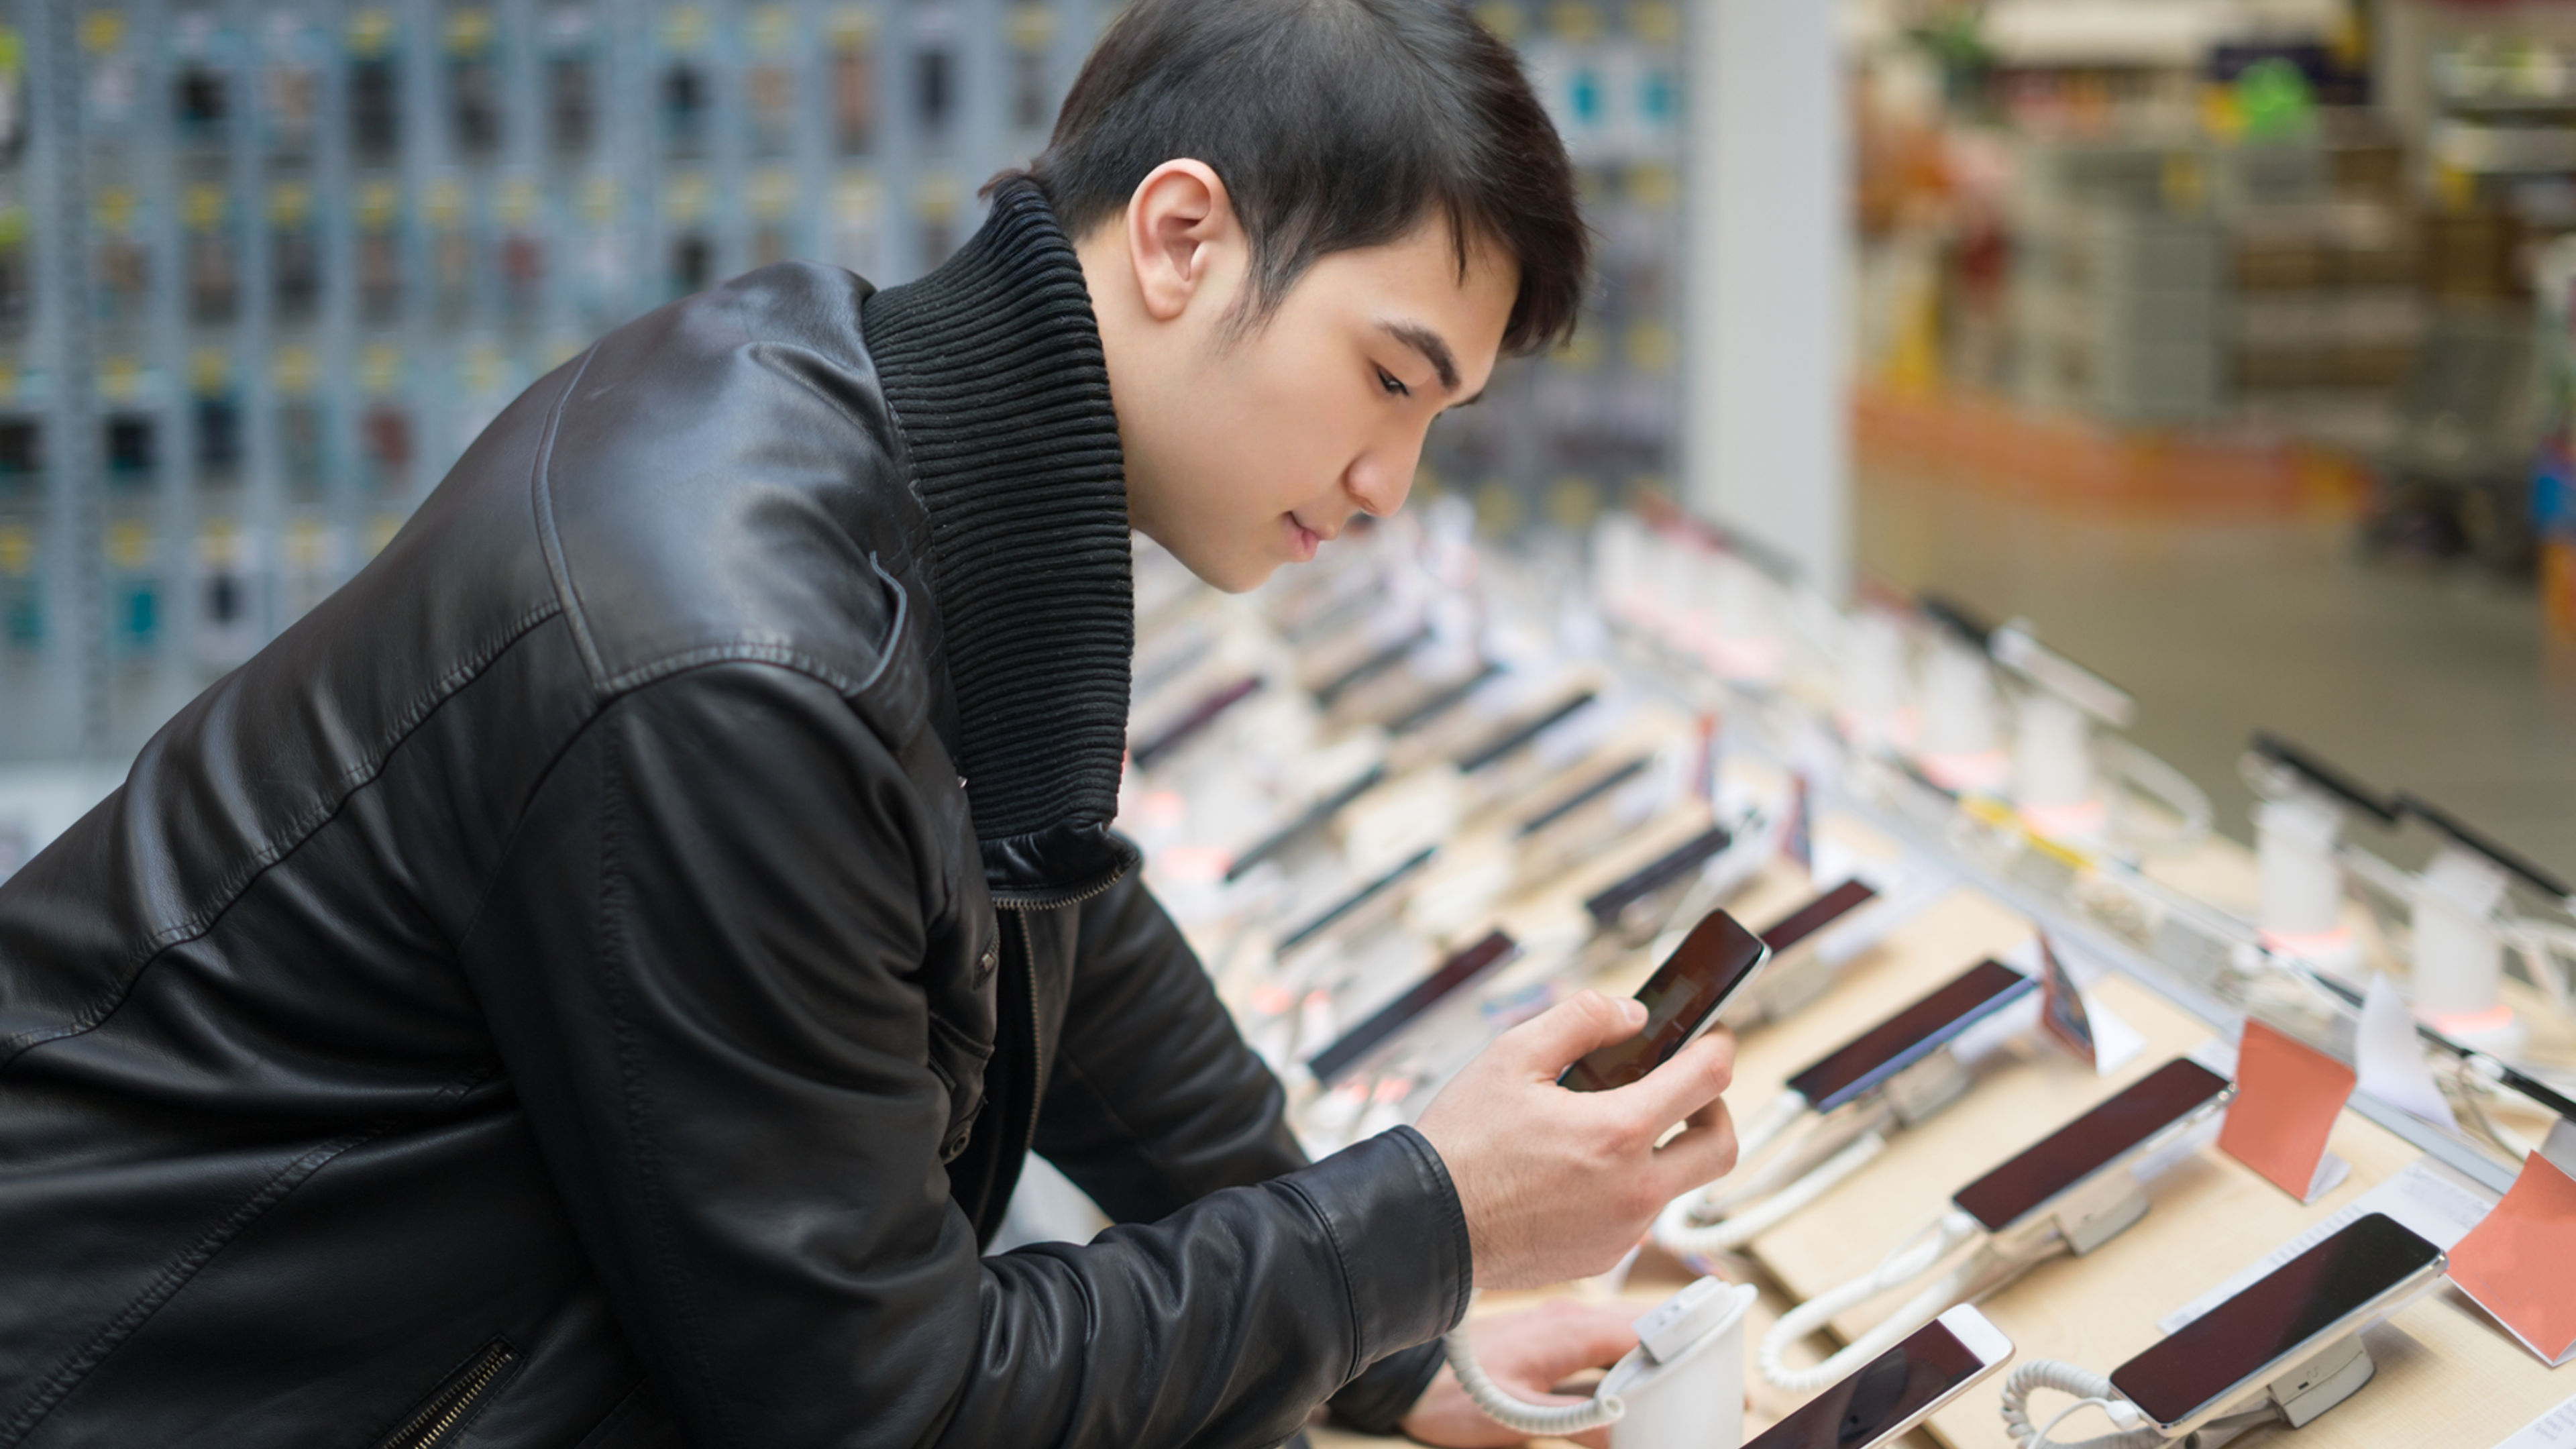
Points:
1380	478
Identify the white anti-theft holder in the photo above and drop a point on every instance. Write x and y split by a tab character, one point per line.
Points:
1682	1387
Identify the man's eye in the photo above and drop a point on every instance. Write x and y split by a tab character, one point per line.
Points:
1394	386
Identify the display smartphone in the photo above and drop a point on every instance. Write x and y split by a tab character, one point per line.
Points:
1316	817
1815	915
1668	869
1501	746
1716	960
1440	701
1601	785
1445	981
2178	1092
1148	752
1864	1063
2409	803
1349	905
1898	1389
2324	776
1330	691
2218	1360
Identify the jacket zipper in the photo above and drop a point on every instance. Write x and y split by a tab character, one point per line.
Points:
431	1423
1037	1035
1026	901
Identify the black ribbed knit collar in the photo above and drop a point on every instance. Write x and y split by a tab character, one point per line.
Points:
993	368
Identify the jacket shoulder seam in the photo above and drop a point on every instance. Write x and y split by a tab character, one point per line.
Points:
549	540
297	832
898	636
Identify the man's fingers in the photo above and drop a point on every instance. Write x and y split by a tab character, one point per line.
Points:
1578	1336
1701	1153
1682	1086
1548	1043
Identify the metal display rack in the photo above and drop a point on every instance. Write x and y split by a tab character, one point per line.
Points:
1560	437
266	266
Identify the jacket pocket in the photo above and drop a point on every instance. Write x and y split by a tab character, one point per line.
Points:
442	1417
958	1059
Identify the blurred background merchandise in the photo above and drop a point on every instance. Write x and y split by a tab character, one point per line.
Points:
266	268
2300	247
2230	338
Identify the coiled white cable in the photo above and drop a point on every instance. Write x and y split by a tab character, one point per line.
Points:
1519	1415
1682	1228
1708	1204
1909	1260
2090	1389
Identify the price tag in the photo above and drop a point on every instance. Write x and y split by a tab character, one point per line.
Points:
2520	1264
2287	1097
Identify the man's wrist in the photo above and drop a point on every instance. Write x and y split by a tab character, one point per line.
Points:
1396	1224
1378	1401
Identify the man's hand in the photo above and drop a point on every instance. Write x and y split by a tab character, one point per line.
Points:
1526	1354
1557	1184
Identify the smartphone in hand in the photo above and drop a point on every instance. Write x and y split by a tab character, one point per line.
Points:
1715	961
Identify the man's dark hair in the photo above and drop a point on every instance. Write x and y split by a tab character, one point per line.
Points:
1335	125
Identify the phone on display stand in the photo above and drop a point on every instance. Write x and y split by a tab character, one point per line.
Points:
1800	976
2072	1177
1453	975
1898	1389
1718	959
1870	1060
2295	1332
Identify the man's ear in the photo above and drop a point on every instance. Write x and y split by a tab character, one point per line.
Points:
1181	233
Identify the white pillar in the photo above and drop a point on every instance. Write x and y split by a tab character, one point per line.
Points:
1764	442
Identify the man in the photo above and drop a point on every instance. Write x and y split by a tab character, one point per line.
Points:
595	980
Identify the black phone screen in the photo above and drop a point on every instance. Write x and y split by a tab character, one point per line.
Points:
1430	991
1910	1035
1664	870
1716	958
2282	1310
1815	915
2082	1147
1887	1393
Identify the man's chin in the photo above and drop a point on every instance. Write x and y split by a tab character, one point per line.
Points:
1237	577
1226	573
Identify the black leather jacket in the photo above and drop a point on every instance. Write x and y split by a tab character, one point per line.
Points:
558	993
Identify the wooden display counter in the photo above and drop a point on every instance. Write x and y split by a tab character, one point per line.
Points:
2447	1376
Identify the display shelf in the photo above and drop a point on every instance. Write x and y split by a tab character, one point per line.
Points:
2210	1216
266	266
2157	919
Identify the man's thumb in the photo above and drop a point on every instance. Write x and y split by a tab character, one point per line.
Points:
1556	1038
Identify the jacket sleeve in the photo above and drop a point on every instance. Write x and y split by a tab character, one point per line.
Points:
701	958
1156	1102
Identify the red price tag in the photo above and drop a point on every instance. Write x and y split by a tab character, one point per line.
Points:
2287	1096
2520	1261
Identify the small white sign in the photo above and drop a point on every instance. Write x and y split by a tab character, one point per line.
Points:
2553	1430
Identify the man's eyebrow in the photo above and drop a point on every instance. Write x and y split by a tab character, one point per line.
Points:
1430	344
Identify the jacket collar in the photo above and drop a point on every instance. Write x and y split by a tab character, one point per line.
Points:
993	369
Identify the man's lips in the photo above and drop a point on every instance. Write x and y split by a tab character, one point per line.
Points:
1303	537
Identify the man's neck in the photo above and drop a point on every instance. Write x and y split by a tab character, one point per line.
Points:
993	367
